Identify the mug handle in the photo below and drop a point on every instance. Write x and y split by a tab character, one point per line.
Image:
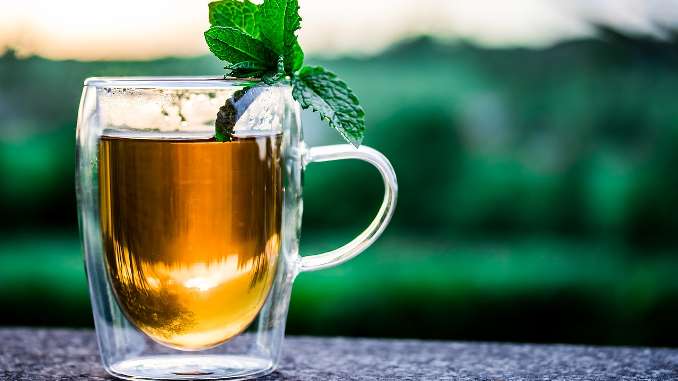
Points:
378	225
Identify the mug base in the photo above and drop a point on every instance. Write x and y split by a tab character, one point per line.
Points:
191	367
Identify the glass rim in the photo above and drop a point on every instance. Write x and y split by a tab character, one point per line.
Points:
170	82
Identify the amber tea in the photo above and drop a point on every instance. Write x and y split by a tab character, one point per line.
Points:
191	233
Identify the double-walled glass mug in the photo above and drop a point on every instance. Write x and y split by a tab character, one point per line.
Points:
192	245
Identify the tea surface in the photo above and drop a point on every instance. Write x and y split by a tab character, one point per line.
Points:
191	233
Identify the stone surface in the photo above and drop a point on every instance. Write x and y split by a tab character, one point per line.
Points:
36	355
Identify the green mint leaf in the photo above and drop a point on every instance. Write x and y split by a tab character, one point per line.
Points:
235	46
294	59
293	55
245	73
279	21
246	65
236	14
247	69
273	78
271	21
323	92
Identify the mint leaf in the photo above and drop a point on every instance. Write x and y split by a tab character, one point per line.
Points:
247	69
271	20
273	78
279	21
235	46
294	59
236	14
246	65
293	55
323	92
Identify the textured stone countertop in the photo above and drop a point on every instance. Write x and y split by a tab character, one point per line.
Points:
36	355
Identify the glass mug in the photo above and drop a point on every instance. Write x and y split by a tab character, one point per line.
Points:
192	245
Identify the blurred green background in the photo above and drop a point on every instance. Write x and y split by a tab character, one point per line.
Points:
538	193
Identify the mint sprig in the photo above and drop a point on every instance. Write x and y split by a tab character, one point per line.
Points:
323	92
261	41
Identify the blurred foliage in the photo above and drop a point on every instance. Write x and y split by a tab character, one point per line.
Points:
537	193
529	289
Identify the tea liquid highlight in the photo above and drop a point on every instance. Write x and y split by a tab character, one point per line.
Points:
191	233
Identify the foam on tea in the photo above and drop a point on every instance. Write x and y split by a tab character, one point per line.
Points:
191	232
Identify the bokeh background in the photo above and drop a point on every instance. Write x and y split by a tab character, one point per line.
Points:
536	145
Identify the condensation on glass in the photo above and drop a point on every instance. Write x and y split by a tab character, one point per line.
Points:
192	245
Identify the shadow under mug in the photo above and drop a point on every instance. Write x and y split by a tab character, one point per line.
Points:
192	245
